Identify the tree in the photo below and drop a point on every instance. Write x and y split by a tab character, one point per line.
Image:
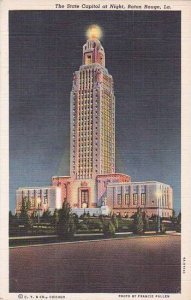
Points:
145	222
162	228
55	217
46	217
12	218
115	222
76	220
65	226
13	223
86	218
157	223
173	218
179	218
138	222
34	217
24	218
178	226
108	229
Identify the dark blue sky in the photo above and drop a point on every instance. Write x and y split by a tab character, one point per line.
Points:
142	54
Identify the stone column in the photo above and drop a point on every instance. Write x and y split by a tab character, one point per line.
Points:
139	196
114	196
123	196
131	195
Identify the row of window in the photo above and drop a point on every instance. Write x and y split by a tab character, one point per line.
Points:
86	132
86	107
85	176
107	118
85	103
84	140
85	128
84	100
85	162
86	84
85	121
135	199
107	157
87	72
107	93
86	92
34	192
106	103
86	113
107	141
33	201
86	148
85	116
86	79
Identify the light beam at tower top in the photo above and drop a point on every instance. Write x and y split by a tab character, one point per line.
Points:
94	32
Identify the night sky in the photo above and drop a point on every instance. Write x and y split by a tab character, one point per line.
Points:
143	56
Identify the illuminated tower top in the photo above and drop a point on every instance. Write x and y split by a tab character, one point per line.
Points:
93	51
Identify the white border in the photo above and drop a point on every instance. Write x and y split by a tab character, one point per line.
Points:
185	7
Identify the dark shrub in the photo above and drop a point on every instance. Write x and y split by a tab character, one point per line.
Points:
95	224
115	222
138	223
178	227
109	229
83	227
66	225
162	228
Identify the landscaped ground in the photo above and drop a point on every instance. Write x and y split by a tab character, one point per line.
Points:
131	265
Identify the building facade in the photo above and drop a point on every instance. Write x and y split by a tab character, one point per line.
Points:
92	133
153	197
87	193
93	184
39	199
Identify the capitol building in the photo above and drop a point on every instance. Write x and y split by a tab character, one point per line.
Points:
93	185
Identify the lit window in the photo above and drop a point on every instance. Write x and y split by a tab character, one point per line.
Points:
127	199
135	198
143	199
119	199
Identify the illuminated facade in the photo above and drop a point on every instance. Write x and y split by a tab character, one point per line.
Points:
92	133
153	197
92	116
93	183
39	199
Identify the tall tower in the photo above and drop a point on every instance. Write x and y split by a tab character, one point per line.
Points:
92	115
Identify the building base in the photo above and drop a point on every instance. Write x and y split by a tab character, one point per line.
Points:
103	210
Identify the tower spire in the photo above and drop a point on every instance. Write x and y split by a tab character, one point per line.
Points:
93	53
